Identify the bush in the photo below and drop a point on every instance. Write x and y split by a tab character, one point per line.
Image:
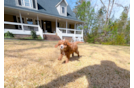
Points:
120	39
39	37
117	40
33	34
8	35
90	38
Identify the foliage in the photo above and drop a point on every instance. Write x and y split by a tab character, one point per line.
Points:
100	29
8	35
85	12
33	34
40	38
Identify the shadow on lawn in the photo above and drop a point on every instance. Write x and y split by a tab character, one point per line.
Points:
75	58
106	75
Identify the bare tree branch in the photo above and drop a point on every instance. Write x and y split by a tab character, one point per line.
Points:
103	3
107	11
126	18
95	4
111	8
110	11
119	5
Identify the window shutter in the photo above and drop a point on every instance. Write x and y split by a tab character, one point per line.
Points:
34	4
19	2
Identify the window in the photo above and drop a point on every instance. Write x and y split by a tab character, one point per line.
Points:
29	21
27	3
63	10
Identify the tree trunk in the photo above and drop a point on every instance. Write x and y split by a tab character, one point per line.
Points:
126	18
110	12
107	13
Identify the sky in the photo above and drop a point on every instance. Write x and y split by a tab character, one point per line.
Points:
116	10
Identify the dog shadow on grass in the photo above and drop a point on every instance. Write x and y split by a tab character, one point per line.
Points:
106	75
73	58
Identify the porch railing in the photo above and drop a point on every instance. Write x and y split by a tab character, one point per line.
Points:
77	35
19	28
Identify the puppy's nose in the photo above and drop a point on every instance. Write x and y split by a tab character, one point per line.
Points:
61	47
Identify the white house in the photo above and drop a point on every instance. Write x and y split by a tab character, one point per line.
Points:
46	17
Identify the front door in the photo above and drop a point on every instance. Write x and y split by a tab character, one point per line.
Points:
48	26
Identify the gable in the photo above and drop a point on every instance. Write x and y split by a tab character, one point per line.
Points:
62	8
63	3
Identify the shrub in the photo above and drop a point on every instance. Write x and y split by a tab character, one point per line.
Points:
8	35
90	38
39	37
33	34
117	40
120	39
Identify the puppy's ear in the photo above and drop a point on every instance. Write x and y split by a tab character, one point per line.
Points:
57	44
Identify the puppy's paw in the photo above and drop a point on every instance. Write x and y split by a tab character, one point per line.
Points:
66	61
59	59
63	62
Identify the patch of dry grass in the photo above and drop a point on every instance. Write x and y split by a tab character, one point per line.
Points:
30	64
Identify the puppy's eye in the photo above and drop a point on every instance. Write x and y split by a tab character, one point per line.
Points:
65	44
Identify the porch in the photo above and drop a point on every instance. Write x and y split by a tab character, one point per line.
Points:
23	22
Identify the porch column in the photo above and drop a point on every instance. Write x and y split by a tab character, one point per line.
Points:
75	26
21	22
66	27
82	30
38	20
56	25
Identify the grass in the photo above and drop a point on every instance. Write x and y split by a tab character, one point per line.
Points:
7	37
34	64
27	38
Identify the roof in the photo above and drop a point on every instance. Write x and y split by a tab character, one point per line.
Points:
44	7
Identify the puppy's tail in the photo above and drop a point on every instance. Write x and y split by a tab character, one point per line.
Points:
78	42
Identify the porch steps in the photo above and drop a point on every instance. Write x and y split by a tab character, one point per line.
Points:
51	37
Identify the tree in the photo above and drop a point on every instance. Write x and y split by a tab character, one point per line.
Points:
85	12
101	26
108	13
108	10
125	12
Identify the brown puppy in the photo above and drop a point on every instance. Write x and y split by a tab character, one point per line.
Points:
67	48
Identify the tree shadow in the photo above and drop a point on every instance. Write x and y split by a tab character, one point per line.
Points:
106	75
